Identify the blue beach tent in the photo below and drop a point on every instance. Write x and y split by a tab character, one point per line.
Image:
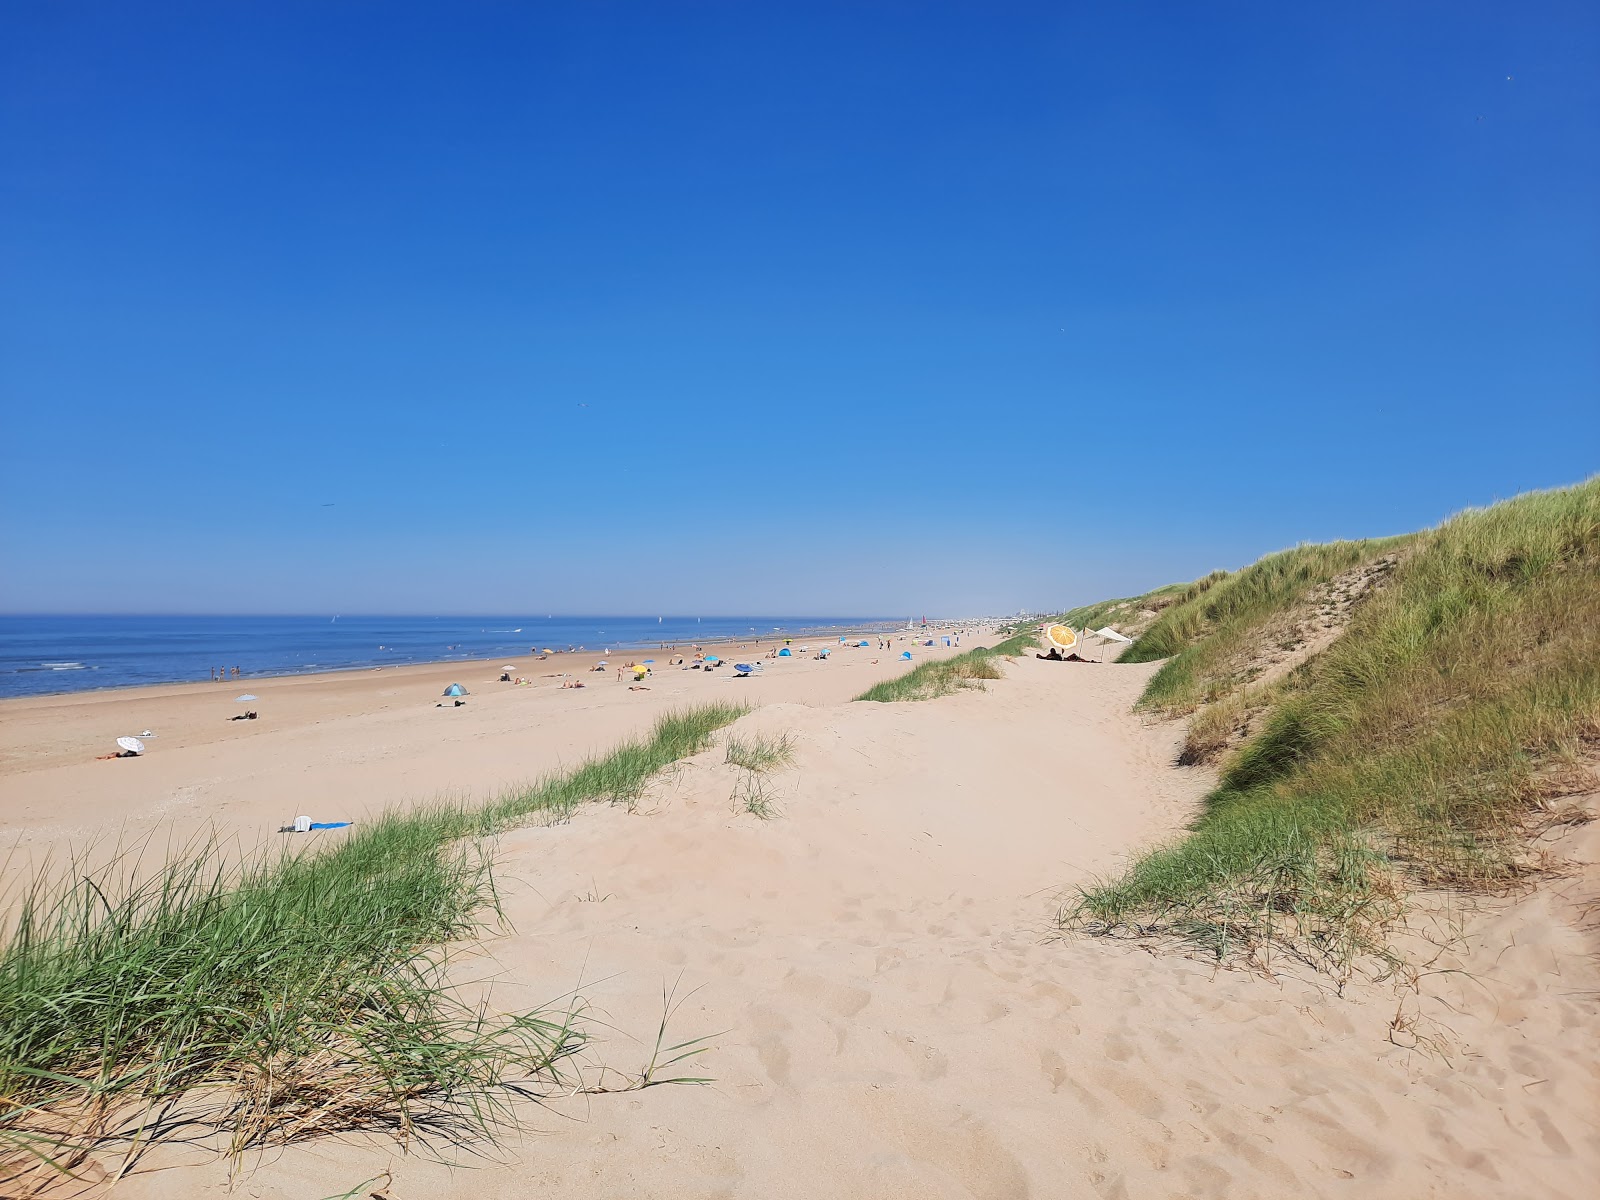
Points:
784	653
455	689
905	654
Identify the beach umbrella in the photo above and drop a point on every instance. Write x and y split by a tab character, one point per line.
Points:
509	667
455	689
1062	638
712	658
650	660
244	699
131	743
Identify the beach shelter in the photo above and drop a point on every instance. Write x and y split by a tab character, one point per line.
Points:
455	689
906	654
1107	635
784	653
131	744
863	642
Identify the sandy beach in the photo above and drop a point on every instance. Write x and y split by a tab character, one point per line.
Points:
345	744
888	1008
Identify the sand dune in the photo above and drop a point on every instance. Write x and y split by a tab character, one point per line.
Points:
888	1013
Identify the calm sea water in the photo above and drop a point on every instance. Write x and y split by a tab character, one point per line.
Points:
43	654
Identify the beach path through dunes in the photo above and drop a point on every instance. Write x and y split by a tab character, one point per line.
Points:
888	1014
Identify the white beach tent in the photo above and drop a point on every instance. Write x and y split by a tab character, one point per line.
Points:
1108	634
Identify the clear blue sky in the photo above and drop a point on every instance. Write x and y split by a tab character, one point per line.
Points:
757	307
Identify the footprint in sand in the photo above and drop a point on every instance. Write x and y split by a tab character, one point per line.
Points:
838	998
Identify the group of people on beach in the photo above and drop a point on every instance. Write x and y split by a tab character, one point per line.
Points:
220	674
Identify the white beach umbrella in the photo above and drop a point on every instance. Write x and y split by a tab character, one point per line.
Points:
245	699
131	743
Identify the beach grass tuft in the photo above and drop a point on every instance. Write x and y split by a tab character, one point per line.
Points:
760	753
757	756
292	994
940	677
1422	748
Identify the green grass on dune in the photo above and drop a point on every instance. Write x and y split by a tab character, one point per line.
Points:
297	993
760	753
941	677
1420	748
1216	618
937	677
1127	614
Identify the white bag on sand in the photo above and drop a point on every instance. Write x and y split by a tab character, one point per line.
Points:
302	824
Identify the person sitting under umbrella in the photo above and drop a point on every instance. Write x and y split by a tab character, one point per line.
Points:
127	747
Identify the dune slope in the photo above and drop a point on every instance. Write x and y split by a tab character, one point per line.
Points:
889	1011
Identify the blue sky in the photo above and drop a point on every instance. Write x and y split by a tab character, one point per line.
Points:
757	307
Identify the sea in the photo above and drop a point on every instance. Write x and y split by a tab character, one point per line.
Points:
43	655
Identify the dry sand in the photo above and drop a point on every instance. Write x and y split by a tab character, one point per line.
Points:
887	1011
342	745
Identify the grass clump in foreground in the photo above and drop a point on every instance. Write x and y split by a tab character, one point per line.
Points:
940	677
1419	749
759	753
293	995
756	756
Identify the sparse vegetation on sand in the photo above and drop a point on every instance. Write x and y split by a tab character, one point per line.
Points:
1438	729
760	753
293	995
940	677
756	756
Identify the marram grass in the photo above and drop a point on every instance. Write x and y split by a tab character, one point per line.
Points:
940	677
1443	725
297	993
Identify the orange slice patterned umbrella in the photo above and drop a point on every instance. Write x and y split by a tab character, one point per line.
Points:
1062	638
